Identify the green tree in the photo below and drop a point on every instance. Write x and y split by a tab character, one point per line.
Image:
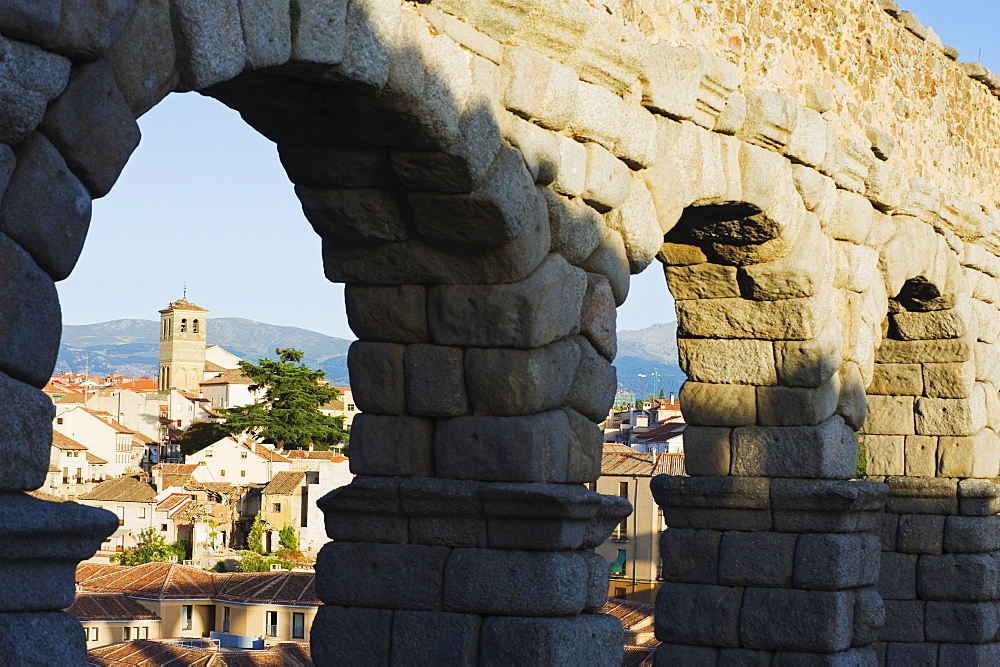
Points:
288	413
255	539
251	561
287	538
151	548
200	435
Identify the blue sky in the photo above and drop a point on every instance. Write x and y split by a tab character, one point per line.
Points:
204	203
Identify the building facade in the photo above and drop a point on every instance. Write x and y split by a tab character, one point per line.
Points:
183	331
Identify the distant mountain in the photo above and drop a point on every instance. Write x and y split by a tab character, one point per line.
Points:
131	347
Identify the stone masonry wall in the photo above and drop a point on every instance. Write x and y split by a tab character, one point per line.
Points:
485	176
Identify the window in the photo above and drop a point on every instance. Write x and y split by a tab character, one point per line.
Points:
145	632
222	473
163	527
272	624
276	507
142	512
621	592
92	634
620	533
127	633
618	567
194	327
186	612
243	473
208	455
350	407
243	455
623	489
298	625
226	618
59	420
184	325
120	511
592	486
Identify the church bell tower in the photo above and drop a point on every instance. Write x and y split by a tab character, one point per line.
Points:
183	328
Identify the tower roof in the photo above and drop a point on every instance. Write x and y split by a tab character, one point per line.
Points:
183	304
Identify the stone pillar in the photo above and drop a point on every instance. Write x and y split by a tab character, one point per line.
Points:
769	556
464	539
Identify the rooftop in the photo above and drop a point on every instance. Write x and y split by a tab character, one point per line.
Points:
158	581
284	483
149	653
109	607
122	489
60	441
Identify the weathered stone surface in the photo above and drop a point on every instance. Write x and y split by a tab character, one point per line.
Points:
869	616
507	382
608	180
443	512
392	446
52	538
635	219
698	614
87	29
92	126
28	637
363	214
518	583
597	317
958	577
920	534
435	381
853	404
706	404
592	390
506	449
33	20
797	406
741	564
354	635
498	211
398	576
610	259
904	621
30	78
577	229
366	510
209	41
46	209
690	556
678	654
916	495
898	578
534	312
434	638
376	370
707	450
810	363
921	455
933	325
267	32
320	33
947	416
827	451
885	454
588	638
978	497
890	415
143	56
30	323
794	620
831	562
969	456
25	436
908	351
391	314
586	441
960	622
949	380
788	319
728	361
702	281
971	534
897	380
537	517
801	274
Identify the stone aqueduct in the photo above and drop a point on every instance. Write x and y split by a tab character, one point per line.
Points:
820	181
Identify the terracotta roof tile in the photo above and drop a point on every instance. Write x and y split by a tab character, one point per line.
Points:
41	495
161	581
95	460
121	489
85	570
233	376
266	454
622	460
638	656
60	441
109	607
291	588
172	501
284	483
106	418
170	480
321	456
633	615
183	304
